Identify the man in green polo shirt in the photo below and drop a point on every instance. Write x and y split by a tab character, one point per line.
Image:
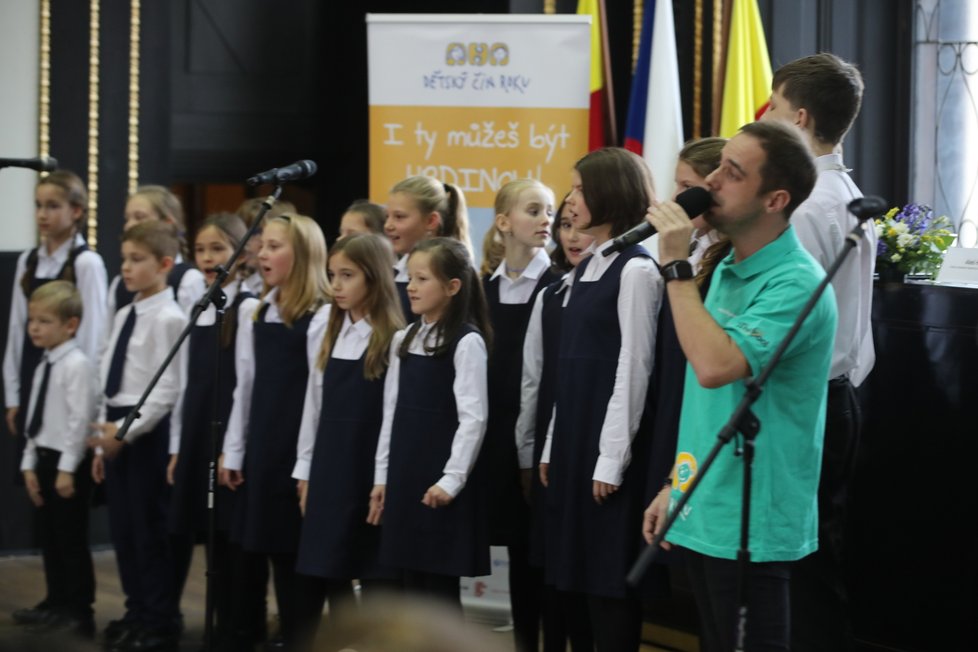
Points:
757	292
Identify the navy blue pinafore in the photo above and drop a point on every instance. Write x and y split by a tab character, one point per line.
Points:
266	514
590	547
508	511
550	318
188	510
451	540
336	540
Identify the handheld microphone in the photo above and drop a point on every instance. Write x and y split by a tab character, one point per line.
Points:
298	170
865	208
694	201
41	163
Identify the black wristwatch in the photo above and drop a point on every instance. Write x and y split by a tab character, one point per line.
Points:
677	270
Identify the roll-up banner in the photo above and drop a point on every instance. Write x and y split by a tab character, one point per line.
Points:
477	101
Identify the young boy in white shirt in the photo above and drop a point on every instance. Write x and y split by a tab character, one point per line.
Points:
62	404
134	469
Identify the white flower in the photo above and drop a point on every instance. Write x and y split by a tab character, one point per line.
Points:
879	229
900	227
895	258
904	239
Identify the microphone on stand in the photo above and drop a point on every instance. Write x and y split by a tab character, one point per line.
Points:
694	201
41	163
298	170
871	206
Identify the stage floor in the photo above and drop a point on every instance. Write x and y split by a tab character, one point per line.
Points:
22	585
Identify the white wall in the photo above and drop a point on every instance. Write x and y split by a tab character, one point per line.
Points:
19	38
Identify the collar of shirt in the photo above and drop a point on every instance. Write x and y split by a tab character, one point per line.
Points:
61	253
767	257
154	302
533	271
60	351
830	162
361	328
400	269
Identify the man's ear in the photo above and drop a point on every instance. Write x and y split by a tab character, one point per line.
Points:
777	200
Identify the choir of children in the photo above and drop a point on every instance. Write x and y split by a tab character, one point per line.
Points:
357	448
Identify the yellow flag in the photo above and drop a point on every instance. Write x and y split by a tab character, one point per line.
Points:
747	84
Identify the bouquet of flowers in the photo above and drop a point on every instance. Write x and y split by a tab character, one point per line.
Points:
911	240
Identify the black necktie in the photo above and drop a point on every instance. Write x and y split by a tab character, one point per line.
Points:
114	381
37	418
692	246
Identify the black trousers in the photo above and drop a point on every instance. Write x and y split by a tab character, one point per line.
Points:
616	623
819	599
63	528
566	620
138	500
714	583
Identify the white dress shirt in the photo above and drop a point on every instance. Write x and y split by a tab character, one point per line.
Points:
191	289
69	407
520	289
533	343
471	389
400	269
90	279
235	437
159	322
639	300
350	345
822	223
206	318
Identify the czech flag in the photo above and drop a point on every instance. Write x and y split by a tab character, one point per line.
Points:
654	128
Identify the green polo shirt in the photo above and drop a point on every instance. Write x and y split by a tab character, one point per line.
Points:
756	301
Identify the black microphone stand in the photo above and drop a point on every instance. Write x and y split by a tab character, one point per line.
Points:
214	295
744	421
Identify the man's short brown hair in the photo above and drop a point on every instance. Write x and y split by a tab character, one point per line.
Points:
830	89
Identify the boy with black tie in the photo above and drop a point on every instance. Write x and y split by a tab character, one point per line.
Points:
62	404
135	468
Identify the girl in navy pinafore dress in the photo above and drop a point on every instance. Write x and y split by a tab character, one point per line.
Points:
596	452
422	207
191	431
274	352
340	424
524	215
61	201
564	616
435	527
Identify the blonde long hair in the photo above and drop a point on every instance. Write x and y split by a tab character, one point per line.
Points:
307	287
374	256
